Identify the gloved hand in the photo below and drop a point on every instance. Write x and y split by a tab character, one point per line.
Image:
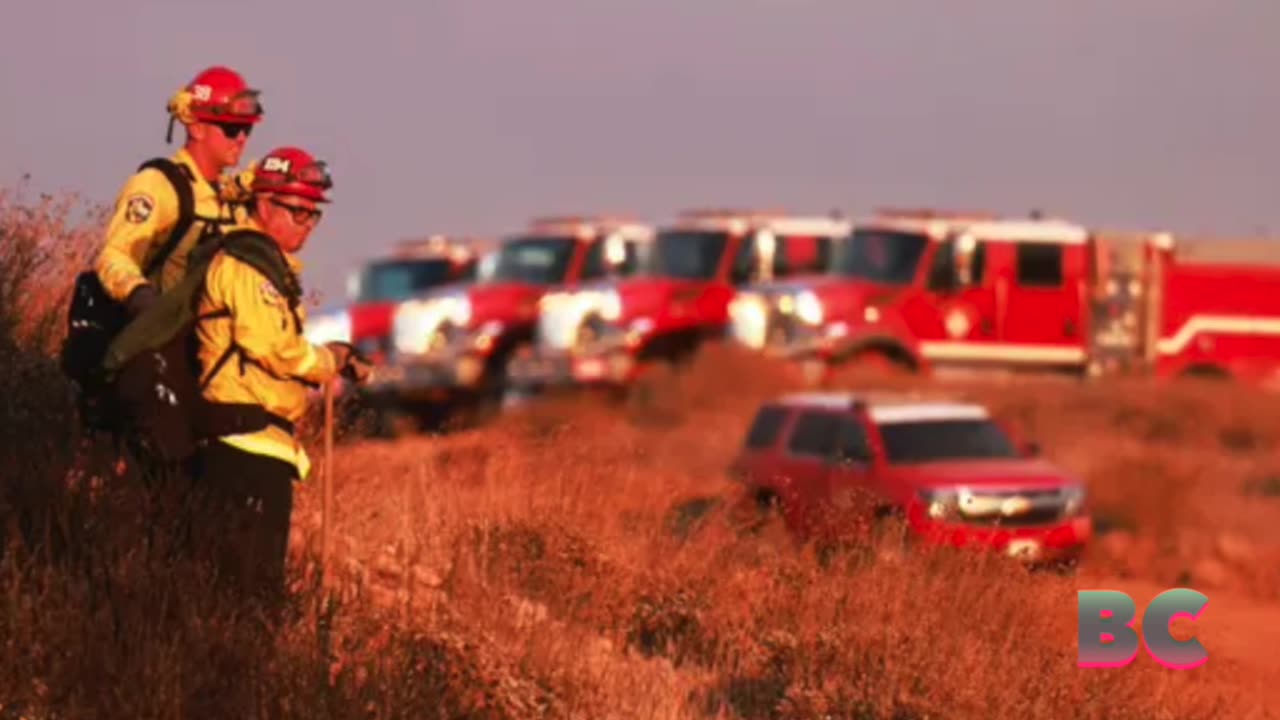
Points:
351	364
143	297
237	188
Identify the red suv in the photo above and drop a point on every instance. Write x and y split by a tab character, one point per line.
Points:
956	475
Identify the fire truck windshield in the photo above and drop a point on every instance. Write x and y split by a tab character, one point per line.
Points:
538	260
944	440
392	280
880	256
692	255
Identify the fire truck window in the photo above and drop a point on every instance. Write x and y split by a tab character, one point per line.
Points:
942	270
815	433
765	427
1039	265
801	254
593	265
398	279
744	262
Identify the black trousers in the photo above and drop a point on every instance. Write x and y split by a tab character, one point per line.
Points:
243	504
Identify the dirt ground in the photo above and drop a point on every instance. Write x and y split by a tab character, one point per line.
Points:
1183	481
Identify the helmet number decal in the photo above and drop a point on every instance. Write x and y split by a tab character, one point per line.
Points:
138	208
277	164
202	92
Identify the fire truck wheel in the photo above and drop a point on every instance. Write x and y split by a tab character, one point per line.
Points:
875	364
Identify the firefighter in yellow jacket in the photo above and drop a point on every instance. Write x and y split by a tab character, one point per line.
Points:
256	354
166	206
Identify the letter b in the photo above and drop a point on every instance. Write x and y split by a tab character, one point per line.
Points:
1106	637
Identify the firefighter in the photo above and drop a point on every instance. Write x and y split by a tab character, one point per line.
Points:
161	212
168	204
256	354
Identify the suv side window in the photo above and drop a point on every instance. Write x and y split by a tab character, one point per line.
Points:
765	427
814	434
851	442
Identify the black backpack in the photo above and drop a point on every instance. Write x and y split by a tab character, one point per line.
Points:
94	317
153	370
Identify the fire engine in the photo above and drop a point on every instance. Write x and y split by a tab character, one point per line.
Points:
610	333
450	349
923	291
412	267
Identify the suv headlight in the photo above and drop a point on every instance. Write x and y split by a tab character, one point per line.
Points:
809	308
1073	498
940	503
329	327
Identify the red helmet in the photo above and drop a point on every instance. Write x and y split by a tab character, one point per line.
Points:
292	171
220	95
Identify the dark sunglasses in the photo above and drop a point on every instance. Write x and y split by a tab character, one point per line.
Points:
300	215
234	130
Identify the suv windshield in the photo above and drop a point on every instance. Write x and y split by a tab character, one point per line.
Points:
693	255
940	440
392	280
534	260
881	256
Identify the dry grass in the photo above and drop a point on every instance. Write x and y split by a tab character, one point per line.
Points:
574	563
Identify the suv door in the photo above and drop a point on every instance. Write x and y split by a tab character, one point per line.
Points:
850	475
806	464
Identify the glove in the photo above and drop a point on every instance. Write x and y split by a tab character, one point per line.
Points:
140	299
351	364
237	188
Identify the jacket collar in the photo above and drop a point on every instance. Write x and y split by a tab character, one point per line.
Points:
292	260
183	158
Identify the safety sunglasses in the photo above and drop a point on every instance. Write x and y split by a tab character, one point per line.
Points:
300	215
233	130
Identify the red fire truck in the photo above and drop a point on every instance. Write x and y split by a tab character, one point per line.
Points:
610	333
451	347
413	267
922	291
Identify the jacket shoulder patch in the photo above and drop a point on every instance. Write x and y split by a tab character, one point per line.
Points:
138	208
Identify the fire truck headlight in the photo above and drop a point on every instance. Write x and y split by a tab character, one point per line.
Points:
412	326
455	308
809	308
610	305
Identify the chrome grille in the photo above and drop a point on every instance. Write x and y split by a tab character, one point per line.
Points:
1013	508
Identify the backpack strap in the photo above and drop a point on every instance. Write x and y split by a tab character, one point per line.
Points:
180	178
264	255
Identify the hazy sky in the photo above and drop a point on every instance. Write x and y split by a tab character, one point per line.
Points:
472	116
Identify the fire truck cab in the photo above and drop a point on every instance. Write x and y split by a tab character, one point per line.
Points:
450	348
922	292
611	332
